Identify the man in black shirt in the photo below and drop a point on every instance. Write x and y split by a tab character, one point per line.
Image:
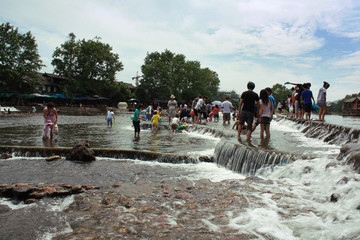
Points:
247	109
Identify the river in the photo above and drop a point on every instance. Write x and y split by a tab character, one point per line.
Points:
286	201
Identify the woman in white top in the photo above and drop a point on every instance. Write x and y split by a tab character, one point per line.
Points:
266	112
321	101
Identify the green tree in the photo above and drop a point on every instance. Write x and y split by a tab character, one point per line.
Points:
19	60
89	65
65	63
117	92
168	73
280	92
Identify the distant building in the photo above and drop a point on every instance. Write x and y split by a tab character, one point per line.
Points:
52	83
351	107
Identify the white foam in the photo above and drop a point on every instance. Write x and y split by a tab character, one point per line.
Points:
12	205
61	204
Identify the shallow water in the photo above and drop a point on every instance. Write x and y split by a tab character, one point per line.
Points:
26	131
296	205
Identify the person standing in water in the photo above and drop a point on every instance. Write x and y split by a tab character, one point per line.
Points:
246	112
172	107
136	121
321	101
266	111
155	121
109	116
50	113
307	99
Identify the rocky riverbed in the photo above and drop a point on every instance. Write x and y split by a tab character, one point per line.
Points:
169	209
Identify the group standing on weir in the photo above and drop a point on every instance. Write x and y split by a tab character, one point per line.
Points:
253	110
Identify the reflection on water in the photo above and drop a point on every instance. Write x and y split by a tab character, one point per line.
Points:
26	131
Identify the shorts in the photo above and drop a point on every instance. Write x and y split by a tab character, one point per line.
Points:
136	126
265	120
300	106
109	121
247	117
226	117
172	112
307	107
216	116
320	104
174	126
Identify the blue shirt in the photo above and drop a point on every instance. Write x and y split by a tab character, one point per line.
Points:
306	96
273	100
136	113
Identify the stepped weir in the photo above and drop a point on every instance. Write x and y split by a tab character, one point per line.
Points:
247	160
110	153
329	133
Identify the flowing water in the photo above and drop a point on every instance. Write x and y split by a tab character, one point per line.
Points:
291	202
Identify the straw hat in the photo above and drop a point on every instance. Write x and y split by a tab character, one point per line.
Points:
172	96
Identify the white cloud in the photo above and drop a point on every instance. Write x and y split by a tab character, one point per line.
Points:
351	60
262	41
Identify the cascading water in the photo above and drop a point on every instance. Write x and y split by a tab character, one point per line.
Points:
333	134
247	160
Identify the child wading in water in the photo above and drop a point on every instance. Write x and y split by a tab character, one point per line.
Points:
266	112
109	116
155	121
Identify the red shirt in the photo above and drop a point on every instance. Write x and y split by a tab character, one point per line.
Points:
216	110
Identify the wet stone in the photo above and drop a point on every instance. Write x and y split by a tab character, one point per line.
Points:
334	197
307	169
184	195
52	158
5	156
81	152
4	209
344	180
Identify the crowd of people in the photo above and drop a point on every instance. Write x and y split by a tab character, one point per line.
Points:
301	102
254	110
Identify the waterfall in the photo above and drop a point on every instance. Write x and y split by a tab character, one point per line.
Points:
330	133
213	131
247	160
110	153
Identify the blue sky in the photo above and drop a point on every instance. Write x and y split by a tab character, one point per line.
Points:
266	42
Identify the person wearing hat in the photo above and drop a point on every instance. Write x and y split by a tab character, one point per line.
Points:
321	101
172	107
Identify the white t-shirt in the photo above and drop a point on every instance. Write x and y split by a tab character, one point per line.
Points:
227	106
199	104
110	114
175	120
320	95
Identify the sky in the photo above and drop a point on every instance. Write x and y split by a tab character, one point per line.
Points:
263	41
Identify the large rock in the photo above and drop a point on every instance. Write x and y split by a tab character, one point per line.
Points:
81	152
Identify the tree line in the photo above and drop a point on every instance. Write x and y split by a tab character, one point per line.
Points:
90	67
